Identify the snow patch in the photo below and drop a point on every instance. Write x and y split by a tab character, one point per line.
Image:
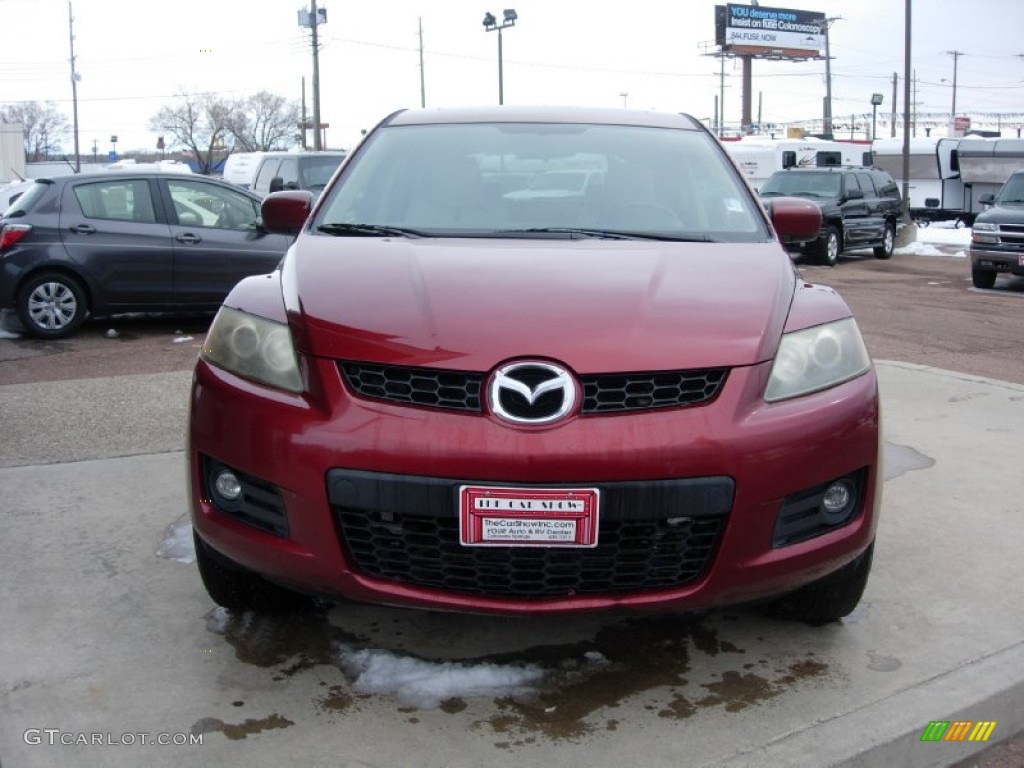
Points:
177	543
426	684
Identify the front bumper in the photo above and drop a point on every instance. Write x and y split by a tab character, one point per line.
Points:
997	259
309	446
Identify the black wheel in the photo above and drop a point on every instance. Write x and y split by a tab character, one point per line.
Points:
830	598
983	278
922	223
237	589
51	305
884	251
828	247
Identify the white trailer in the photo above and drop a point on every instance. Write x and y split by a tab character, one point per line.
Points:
935	189
12	152
758	157
985	164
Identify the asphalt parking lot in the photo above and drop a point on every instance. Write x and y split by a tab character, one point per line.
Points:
108	631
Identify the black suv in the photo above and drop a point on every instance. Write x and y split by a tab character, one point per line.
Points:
113	242
296	170
859	207
997	235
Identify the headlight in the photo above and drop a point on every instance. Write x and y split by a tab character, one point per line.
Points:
254	348
817	358
985	232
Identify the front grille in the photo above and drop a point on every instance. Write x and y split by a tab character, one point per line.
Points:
652	535
431	387
639	391
602	393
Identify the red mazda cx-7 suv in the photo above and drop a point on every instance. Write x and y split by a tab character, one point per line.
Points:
468	388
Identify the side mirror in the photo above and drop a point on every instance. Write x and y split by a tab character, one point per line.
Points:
987	199
276	184
284	213
795	220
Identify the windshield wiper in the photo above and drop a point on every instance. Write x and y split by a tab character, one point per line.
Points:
575	233
368	230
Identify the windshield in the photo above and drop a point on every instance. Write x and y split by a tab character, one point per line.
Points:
1012	191
543	179
802	184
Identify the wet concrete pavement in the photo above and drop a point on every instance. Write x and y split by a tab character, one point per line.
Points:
103	635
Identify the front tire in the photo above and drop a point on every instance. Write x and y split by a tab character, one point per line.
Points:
830	598
884	251
983	278
51	305
237	589
829	247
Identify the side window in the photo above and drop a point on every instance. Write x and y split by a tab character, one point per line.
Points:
851	183
886	185
267	171
117	200
866	184
199	204
289	173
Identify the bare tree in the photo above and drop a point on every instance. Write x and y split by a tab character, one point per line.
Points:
198	122
262	122
43	126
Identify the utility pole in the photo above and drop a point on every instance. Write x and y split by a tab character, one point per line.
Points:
907	38
895	81
317	145
74	86
827	116
304	123
721	100
313	18
956	56
423	81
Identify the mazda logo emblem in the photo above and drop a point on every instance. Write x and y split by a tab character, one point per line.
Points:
531	393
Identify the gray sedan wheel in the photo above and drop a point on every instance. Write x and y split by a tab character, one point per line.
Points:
51	305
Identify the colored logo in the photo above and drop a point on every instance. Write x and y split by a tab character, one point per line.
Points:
958	730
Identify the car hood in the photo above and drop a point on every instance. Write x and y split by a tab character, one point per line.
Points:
596	306
1005	213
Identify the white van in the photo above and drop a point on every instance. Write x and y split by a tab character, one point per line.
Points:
240	168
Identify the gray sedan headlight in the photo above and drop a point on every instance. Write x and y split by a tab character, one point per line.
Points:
254	348
817	358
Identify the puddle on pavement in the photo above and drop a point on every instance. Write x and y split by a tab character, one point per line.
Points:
237	731
900	459
549	692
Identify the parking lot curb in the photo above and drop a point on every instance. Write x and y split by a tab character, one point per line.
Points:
888	731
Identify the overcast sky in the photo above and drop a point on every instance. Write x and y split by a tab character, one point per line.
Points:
134	58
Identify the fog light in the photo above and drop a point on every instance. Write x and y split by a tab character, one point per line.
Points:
835	502
228	485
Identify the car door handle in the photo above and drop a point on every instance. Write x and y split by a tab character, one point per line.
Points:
188	238
83	229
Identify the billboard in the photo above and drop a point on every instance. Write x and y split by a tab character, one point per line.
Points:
774	32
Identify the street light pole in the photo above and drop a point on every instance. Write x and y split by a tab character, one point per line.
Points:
876	99
509	17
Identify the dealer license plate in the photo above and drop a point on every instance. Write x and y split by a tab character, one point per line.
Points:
534	517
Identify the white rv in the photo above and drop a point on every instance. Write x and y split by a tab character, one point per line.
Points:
985	165
759	157
935	189
948	175
240	168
